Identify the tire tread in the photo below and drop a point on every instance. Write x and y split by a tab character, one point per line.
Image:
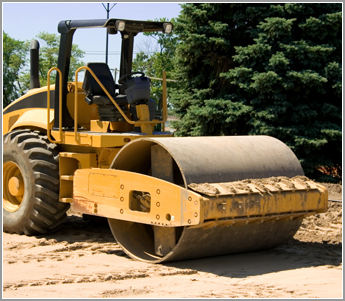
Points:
47	212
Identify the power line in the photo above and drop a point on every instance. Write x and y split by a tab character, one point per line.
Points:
135	51
113	52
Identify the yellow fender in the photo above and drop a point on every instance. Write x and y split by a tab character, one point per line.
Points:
32	119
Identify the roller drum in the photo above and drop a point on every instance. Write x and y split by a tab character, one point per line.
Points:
208	160
215	159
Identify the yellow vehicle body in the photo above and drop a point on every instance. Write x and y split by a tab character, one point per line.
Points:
110	193
166	198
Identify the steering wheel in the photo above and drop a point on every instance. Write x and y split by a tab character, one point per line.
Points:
123	77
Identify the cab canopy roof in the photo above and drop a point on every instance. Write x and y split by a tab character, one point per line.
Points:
134	26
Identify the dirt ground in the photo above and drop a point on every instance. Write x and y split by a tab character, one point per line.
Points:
82	260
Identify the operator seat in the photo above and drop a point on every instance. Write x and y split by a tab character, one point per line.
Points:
95	94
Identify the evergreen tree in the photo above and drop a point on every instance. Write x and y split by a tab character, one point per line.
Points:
271	69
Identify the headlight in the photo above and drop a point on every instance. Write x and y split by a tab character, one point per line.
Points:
167	27
120	25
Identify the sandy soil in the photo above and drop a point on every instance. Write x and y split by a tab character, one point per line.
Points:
82	260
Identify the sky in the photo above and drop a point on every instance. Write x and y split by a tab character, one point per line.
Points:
23	21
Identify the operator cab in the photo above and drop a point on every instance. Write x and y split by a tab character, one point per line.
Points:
136	90
130	92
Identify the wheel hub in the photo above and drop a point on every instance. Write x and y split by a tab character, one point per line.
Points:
13	186
16	185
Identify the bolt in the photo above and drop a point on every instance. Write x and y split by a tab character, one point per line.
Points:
122	199
157	216
95	205
121	211
195	214
189	198
122	186
158	204
95	211
189	221
196	203
158	191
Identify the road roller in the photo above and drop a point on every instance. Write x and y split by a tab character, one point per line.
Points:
95	145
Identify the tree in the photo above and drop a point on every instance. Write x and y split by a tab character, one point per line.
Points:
16	73
208	33
14	52
49	50
272	69
154	64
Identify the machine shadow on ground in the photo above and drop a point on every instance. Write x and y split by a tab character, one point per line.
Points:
285	257
292	255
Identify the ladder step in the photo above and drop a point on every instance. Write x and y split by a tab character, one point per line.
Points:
67	177
66	200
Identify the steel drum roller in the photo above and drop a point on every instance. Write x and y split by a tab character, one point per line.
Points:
207	160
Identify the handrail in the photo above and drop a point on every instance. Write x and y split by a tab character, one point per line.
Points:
164	96
135	123
48	106
164	99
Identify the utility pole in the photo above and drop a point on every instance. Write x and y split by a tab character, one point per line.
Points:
106	43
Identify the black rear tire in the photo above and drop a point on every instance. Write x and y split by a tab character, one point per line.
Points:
31	184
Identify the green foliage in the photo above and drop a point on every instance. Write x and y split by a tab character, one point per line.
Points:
49	51
14	52
16	72
263	69
153	65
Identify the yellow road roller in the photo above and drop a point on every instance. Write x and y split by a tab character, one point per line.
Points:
92	145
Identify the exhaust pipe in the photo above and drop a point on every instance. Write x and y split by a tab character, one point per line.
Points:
34	67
